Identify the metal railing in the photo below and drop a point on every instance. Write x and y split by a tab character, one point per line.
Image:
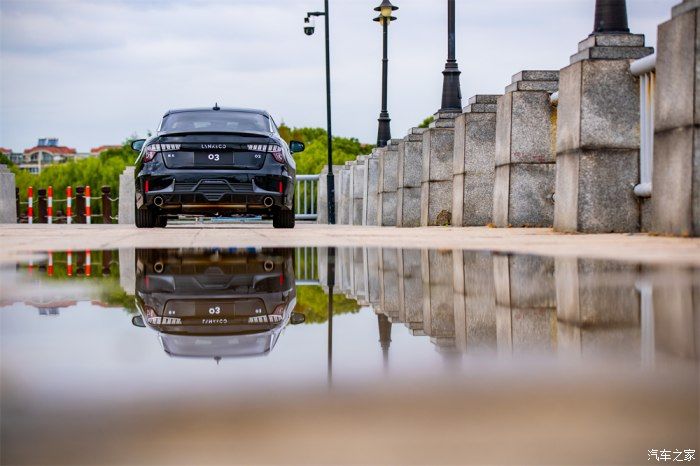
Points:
305	270
306	198
645	68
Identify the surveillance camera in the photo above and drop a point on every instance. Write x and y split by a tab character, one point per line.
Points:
309	30
309	26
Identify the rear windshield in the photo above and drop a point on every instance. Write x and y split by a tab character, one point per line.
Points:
215	121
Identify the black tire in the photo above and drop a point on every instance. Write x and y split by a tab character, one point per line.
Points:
146	218
283	218
162	221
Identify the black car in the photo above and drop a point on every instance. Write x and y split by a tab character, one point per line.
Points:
215	162
216	303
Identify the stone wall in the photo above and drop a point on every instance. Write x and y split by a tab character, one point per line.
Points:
8	196
358	189
127	197
388	184
409	183
371	190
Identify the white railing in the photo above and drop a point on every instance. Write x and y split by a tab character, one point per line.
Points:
645	68
305	197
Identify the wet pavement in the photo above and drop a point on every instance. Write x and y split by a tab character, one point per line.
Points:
346	355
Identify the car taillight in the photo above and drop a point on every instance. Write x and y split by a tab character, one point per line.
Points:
153	149
273	149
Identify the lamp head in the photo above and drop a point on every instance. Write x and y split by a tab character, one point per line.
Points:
309	26
386	8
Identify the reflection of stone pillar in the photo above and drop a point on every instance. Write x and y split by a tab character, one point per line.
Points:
676	309
371	190
598	307
127	270
474	162
438	298
525	303
436	180
525	135
410	290
388	184
676	174
373	276
358	270
384	336
388	265
474	301
409	184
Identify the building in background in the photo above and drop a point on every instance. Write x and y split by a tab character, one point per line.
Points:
46	152
95	151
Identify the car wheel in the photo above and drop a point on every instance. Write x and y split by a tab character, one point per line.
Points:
146	218
283	218
161	221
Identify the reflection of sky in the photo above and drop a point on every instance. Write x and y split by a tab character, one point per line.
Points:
92	353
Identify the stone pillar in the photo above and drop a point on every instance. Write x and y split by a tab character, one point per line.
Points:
438	298
597	308
410	290
371	190
127	197
436	176
676	175
388	184
598	137
322	195
8	196
474	162
526	314
474	302
344	196
388	266
358	189
525	135
409	184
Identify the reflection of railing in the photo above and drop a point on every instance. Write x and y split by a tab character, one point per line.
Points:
305	270
305	197
645	68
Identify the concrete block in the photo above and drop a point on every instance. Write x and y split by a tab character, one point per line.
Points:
344	196
523	195
371	196
359	281
388	205
473	167
127	270
127	197
8	197
685	7
373	276
410	168
358	189
602	191
388	184
437	173
408	202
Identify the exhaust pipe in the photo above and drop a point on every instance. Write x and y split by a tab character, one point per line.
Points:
158	267
268	201
268	265
158	201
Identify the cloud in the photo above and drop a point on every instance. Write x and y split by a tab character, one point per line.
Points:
94	72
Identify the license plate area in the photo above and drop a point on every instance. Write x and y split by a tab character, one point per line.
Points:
214	159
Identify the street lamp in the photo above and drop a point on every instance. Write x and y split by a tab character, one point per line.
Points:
309	27
384	18
451	93
610	17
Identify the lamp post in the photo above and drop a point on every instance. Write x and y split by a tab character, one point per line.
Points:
610	17
309	30
385	10
451	93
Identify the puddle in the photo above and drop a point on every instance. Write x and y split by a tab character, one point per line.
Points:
417	356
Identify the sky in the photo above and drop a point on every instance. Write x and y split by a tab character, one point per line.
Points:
94	72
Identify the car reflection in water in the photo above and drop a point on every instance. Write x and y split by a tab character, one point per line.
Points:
216	303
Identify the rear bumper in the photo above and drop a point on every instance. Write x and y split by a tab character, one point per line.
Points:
215	192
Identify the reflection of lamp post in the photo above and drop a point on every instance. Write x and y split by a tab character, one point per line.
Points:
384	18
331	282
610	17
451	93
309	30
384	337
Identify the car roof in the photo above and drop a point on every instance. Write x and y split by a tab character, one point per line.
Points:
221	109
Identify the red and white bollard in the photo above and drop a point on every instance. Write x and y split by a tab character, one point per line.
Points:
69	263
88	263
30	205
88	209
49	205
50	266
69	205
